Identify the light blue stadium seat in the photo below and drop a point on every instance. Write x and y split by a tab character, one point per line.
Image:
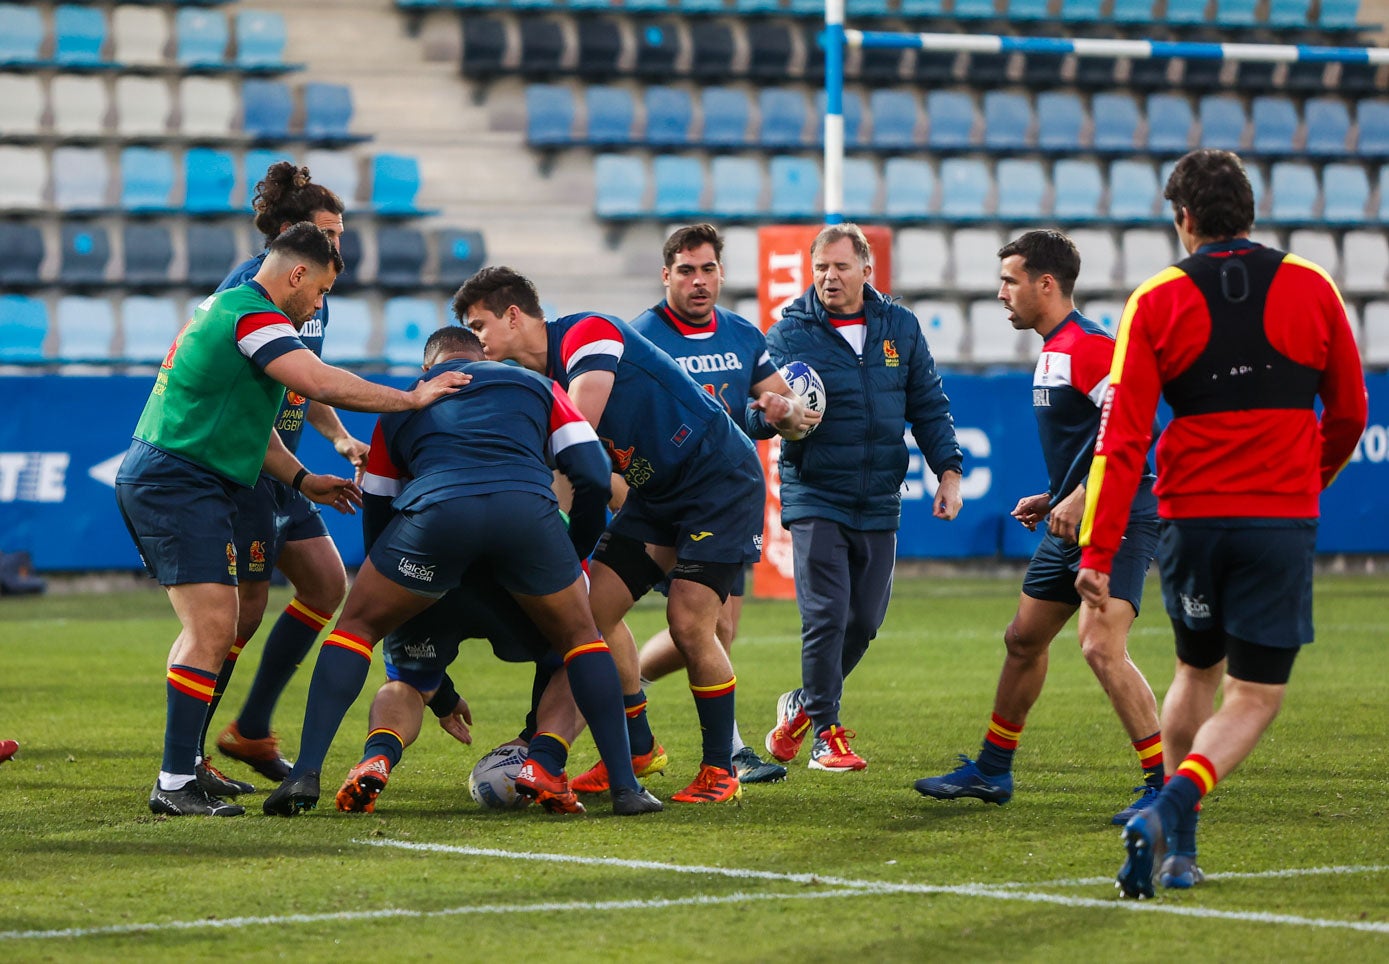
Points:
783	118
1222	122
669	116
1328	124
922	9
1256	181
679	186
1116	121
147	179
328	112
21	33
409	323
1169	123
1345	193
549	115
267	107
1133	11
1133	191
610	113
202	37
80	178
973	10
1007	120
965	185
725	112
1023	10
1275	125
795	185
894	119
1065	121
256	162
79	33
395	180
737	187
1338	14
1383	213
23	328
1080	11
1236	13
910	188
349	340
1186	12
620	183
260	39
1288	14
86	329
951	116
757	6
856	9
861	189
1079	187
1372	139
852	104
148	328
1293	186
1022	187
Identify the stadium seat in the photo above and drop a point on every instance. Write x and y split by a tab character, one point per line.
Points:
143	106
23	328
1133	12
79	34
679	186
1372	128
80	178
712	47
894	119
1188	13
79	104
600	46
1288	14
339	170
740	254
260	39
1305	77
783	114
1080	11
944	327
1169	123
852	105
725	112
350	330
1318	246
409	322
1007	121
910	188
610	112
935	68
971	269
669	116
921	9
1374	342
461	254
485	47
21	34
148	254
876	65
770	44
1099	255
1041	71
139	35
987	70
211	254
965	187
1255	77
1154	73
620	184
22	105
202	37
21	253
795	187
1294	189
1328	126
737	185
209	107
350	247
864	9
148	328
1236	13
1275	125
1116	122
658	47
951	116
400	257
86	250
992	340
1095	73
395	180
1383	213
1345	194
86	330
861	189
920	257
328	113
1108	313
1065	121
1222	122
267	107
1078	190
26	178
1144	252
542	47
1365	261
209	176
1341	15
549	115
1022	188
1133	191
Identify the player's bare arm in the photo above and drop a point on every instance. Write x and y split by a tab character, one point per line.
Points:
331	490
302	371
590	393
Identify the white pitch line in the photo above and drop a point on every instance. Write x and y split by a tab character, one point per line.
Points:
1229	875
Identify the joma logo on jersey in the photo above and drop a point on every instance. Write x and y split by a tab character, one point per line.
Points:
416	570
700	536
313	328
699	364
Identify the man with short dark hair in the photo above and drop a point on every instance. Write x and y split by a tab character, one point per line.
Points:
1241	340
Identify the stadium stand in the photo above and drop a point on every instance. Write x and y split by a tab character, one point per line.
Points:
23	329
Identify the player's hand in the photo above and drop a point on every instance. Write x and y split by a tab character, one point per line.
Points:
1093	587
456	723
330	490
436	388
1031	510
788	414
355	451
1064	521
947	503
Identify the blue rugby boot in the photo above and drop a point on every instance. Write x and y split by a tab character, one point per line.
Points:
1145	843
1179	872
1146	796
967	781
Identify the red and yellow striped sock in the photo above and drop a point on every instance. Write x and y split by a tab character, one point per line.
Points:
1000	743
307	615
1200	771
715	706
1149	750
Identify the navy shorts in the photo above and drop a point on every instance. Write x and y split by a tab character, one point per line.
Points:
180	516
1248	578
714	514
740	584
1051	575
268	516
518	536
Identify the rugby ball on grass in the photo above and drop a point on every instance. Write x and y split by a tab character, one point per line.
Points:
805	382
493	780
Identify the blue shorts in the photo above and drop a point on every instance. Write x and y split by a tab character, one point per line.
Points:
714	514
268	516
180	516
518	536
1249	578
1051	575
740	584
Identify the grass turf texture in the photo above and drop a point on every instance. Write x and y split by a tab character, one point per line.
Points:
82	690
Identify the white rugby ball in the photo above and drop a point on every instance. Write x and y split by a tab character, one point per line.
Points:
493	780
805	382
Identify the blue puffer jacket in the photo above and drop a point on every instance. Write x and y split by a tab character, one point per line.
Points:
850	469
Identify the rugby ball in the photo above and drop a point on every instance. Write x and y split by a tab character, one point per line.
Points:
493	780
805	382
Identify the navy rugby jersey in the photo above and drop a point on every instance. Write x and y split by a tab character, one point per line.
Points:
657	416
289	421
503	432
726	357
1068	389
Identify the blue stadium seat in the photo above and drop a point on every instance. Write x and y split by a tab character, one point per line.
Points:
1372	138
485	46
712	48
1065	121
1345	193
852	105
1116	121
1186	13
400	257
1293	186
910	188
795	187
770	44
1024	10
1169	123
1236	13
1078	189
757	6
658	46
21	34
921	9
1275	125
267	107
350	247
211	254
549	115
86	330
79	33
461	254
783	118
620	184
1338	15
610	113
1007	120
209	176
679	186
965	185
260	39
1222	122
148	328
350	339
600	47
1133	12
669	116
894	119
80	179
951	116
859	9
148	254
85	253
861	189
409	322
1133	191
1022	188
21	253
1383	213
202	37
395	180
23	328
726	112
1328	126
737	187
1288	14
973	10
256	162
328	113
1080	11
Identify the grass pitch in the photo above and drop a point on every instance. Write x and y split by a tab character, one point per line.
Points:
822	867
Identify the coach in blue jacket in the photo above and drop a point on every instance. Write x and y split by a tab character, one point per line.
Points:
841	485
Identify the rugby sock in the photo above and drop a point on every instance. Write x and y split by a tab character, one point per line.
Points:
383	742
1177	803
188	692
224	677
1000	743
639	733
736	743
538	684
343	662
1150	759
551	751
714	704
596	687
290	640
